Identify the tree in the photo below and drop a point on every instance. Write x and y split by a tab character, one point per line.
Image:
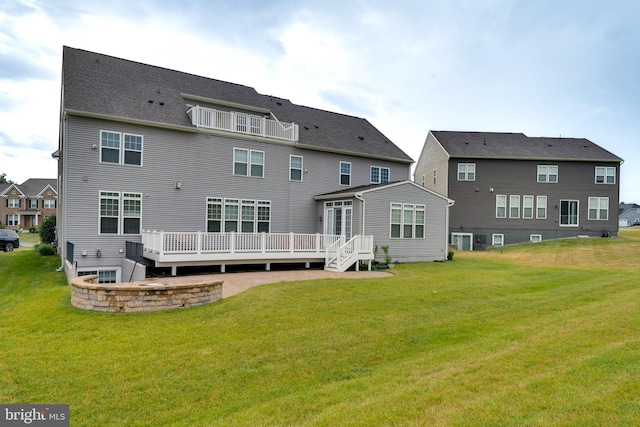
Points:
4	180
48	229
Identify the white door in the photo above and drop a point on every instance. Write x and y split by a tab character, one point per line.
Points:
338	218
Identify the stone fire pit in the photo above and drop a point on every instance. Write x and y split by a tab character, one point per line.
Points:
88	294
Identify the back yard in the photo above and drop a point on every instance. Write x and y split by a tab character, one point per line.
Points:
541	335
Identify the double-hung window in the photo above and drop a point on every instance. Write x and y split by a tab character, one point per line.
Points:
598	208
120	148
527	207
541	207
13	219
49	204
548	173
33	204
466	171
514	206
501	206
345	173
605	175
120	213
248	162
407	221
13	203
379	175
295	168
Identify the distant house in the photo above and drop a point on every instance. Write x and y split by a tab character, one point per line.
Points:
511	188
628	214
161	168
26	205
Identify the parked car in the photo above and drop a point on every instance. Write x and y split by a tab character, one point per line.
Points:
9	240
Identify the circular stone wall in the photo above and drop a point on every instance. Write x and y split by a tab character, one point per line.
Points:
88	294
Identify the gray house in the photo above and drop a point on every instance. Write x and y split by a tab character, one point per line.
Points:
168	169
511	188
628	214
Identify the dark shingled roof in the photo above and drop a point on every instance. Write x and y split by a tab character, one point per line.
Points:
493	145
108	86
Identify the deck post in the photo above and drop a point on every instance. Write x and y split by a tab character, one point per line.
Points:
174	270
268	266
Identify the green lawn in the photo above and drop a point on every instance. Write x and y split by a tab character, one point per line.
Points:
533	335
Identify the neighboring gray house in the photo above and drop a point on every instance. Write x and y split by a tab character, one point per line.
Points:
164	168
511	188
628	214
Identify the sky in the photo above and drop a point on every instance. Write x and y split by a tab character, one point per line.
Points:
546	68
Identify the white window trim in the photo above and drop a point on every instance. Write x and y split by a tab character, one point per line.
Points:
597	209
340	174
118	271
453	235
121	217
248	163
415	208
495	238
466	172
547	174
538	199
379	181
511	205
501	197
234	201
301	168
121	149
535	238
524	206
577	224
606	171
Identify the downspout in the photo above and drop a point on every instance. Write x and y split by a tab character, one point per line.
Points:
359	197
446	227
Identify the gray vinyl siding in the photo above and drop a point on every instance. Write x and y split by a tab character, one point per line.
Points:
203	163
475	207
378	223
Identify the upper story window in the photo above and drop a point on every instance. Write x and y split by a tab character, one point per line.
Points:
248	162
33	204
49	204
605	175
435	176
466	171
379	175
120	148
548	173
345	173
295	168
13	203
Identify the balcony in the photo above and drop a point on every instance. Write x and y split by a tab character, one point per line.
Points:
173	249
242	123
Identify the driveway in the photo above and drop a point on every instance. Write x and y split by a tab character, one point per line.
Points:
234	283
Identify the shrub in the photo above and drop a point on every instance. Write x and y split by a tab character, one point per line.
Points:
48	229
45	249
32	229
1	226
450	255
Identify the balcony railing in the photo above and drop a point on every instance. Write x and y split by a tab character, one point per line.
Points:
248	124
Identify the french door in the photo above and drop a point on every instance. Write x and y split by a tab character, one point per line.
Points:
338	218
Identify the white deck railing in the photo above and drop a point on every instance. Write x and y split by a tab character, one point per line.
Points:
231	121
164	243
341	255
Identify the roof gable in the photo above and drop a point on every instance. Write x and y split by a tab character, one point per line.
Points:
518	146
359	190
105	86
